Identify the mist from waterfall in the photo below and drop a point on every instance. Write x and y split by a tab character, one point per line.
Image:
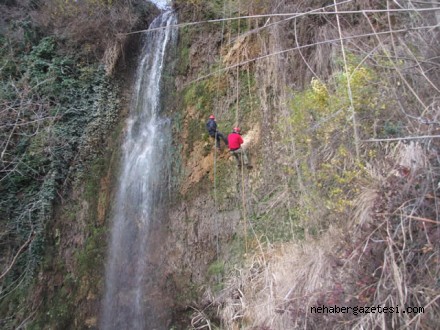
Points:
141	189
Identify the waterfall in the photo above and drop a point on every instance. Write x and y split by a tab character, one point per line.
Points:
142	182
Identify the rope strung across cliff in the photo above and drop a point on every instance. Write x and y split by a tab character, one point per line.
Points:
328	41
294	15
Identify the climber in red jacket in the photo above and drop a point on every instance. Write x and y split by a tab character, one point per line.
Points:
235	141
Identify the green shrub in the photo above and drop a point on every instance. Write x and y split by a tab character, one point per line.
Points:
323	137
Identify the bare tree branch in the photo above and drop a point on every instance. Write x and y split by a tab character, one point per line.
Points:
404	138
20	250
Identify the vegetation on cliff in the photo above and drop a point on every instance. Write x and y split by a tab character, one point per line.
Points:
341	207
60	107
339	106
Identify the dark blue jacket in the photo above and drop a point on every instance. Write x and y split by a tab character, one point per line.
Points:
211	126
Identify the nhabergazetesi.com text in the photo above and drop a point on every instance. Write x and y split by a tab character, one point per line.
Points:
356	310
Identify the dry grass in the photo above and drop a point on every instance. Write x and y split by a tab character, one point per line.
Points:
112	54
270	293
391	259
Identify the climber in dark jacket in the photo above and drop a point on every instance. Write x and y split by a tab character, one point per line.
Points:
211	126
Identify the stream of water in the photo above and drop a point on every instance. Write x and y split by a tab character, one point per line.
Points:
141	187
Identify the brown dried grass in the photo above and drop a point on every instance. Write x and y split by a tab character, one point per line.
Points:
270	290
391	259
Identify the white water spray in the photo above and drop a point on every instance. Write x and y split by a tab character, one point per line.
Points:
142	181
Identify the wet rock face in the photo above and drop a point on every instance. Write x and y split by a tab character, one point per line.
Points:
187	244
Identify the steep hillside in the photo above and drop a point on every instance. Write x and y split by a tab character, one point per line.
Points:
340	118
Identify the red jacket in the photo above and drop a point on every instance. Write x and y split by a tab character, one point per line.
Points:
234	141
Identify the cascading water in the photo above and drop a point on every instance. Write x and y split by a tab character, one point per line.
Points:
142	183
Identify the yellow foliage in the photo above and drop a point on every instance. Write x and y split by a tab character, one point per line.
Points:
323	138
320	92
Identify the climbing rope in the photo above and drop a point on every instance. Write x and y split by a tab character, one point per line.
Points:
215	197
215	149
237	121
243	183
237	116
